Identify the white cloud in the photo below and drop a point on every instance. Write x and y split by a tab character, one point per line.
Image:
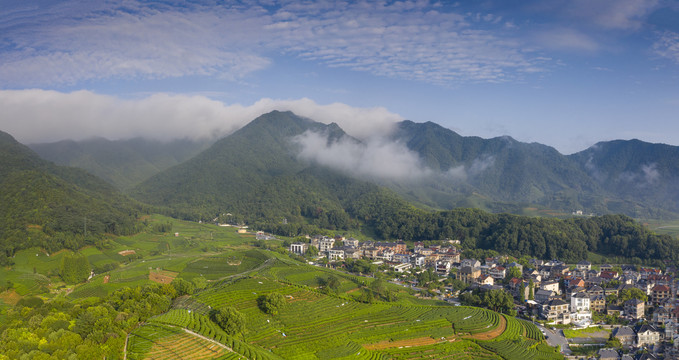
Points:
43	116
379	158
667	46
145	43
627	15
566	39
376	158
648	174
613	14
406	40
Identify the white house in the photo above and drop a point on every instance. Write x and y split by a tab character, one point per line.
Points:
299	248
580	302
326	244
335	254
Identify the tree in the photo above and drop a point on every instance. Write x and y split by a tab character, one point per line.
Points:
522	293
75	269
312	251
183	287
634	293
271	303
199	282
512	272
333	282
230	320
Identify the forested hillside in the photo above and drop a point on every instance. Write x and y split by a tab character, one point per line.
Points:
545	238
122	163
635	171
52	207
630	177
255	175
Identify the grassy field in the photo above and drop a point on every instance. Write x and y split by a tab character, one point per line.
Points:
131	260
670	227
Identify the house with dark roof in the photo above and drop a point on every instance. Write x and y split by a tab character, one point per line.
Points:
556	311
608	354
647	335
584	265
635	308
626	335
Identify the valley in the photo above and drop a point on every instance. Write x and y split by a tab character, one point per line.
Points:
187	256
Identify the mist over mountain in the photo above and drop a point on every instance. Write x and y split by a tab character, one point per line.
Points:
280	158
634	171
123	163
257	173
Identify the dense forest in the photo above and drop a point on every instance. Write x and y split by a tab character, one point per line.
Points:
571	240
55	207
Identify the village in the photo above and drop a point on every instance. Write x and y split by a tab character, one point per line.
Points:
637	304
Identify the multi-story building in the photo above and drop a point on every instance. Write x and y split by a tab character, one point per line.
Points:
647	335
299	248
336	254
659	293
325	244
580	302
556	311
635	308
468	274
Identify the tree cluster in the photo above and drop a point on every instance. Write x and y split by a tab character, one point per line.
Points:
94	328
271	303
74	269
496	300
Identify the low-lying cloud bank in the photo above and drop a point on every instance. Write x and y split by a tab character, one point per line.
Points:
379	158
35	116
375	158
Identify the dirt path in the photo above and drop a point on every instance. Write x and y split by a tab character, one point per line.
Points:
245	273
186	331
401	343
208	339
489	335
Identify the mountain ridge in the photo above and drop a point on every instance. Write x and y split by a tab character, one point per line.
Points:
499	174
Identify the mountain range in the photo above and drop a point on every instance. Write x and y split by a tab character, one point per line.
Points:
42	204
284	166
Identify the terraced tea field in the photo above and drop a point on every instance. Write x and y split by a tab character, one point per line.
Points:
313	325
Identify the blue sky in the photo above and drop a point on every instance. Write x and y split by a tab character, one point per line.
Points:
563	73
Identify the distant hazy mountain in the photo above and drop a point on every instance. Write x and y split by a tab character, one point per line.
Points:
634	171
123	163
500	169
54	203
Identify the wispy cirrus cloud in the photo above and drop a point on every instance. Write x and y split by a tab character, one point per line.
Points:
407	40
606	14
128	43
667	46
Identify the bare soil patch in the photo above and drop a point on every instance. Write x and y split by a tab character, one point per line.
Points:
107	278
162	276
10	297
126	252
423	341
185	346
